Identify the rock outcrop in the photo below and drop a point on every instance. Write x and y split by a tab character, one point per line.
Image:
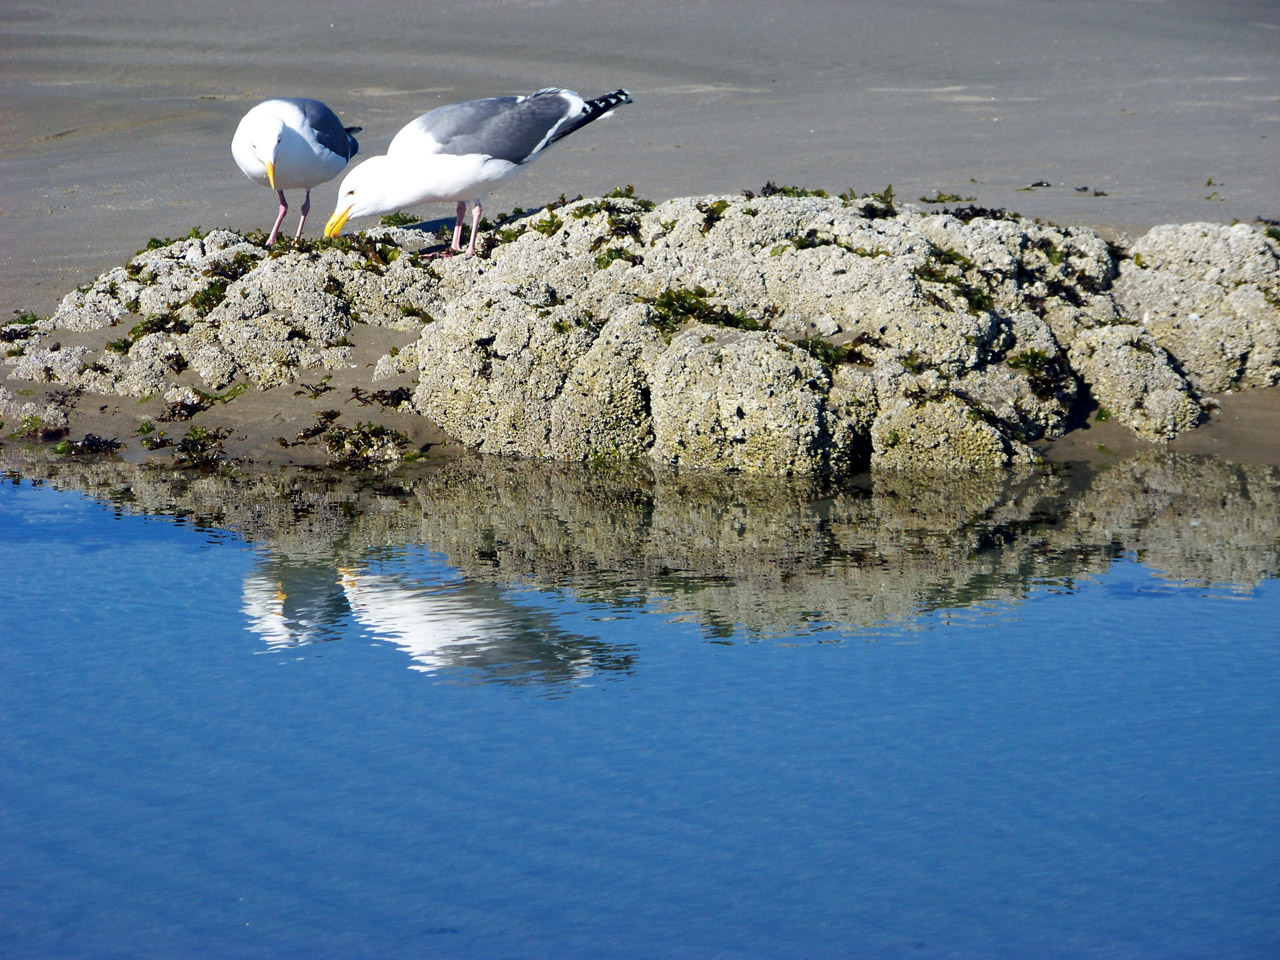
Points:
782	335
1209	294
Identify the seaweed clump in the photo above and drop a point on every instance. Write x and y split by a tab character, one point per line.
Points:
772	189
91	444
947	266
874	206
677	305
366	444
201	447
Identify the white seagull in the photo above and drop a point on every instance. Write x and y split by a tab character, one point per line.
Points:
459	151
289	144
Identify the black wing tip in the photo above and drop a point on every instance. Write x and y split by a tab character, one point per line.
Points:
605	103
619	96
351	130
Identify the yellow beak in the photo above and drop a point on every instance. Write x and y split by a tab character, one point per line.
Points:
337	221
271	174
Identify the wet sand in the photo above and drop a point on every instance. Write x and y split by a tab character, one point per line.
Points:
118	116
1241	427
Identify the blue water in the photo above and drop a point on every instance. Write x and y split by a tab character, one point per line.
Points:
211	751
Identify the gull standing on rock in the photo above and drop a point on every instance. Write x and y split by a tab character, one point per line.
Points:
459	151
289	144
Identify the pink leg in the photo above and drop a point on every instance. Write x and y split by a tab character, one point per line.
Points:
475	228
457	225
284	208
306	208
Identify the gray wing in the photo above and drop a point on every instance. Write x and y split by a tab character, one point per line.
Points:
329	129
508	128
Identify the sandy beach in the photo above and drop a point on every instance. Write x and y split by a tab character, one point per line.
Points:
118	117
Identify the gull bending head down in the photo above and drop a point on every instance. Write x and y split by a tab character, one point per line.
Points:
458	152
289	144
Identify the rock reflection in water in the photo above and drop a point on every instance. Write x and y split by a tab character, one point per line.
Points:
743	558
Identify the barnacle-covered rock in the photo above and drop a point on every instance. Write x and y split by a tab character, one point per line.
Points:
786	335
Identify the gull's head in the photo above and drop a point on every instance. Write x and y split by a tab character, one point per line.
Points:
256	144
363	193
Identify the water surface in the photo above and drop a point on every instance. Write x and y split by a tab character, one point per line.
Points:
505	710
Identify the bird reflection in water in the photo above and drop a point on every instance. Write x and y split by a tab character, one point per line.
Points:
441	623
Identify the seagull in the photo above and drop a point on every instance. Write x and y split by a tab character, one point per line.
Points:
458	152
291	143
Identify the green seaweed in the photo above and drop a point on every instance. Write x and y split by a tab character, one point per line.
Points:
204	302
772	189
235	390
508	234
947	266
1053	253
972	212
200	447
875	206
949	255
677	305
16	332
158	323
386	398
605	259
365	444
32	428
812	240
408	310
324	420
377	252
1043	372
315	390
550	226
712	213
91	444
622	224
184	409
399	219
156	243
1032	361
629	193
236	268
833	354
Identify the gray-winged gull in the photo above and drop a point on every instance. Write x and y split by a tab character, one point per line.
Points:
458	152
292	143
